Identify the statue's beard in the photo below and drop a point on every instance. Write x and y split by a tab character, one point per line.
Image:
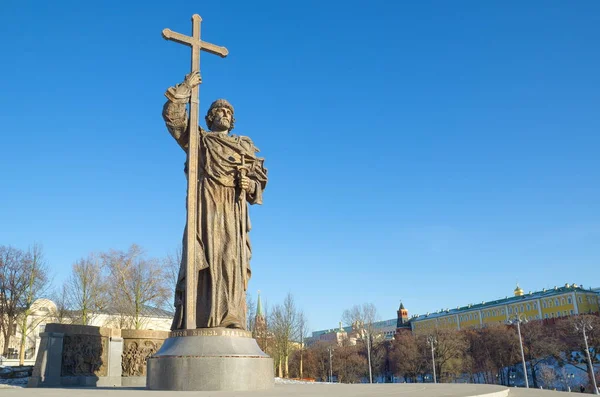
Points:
220	124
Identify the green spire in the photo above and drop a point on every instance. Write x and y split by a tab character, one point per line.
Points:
259	311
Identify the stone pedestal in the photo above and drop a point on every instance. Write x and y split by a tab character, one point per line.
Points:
210	359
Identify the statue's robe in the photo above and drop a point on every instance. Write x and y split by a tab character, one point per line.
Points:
223	268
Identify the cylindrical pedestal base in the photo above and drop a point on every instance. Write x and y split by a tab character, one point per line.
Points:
210	359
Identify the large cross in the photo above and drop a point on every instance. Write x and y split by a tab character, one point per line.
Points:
192	160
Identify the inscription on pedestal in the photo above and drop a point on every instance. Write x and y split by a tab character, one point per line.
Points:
211	332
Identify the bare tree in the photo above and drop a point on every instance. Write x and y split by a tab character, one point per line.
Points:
408	355
86	290
363	317
539	342
63	313
35	276
250	313
581	334
349	363
135	282
450	348
548	375
171	265
302	331
12	284
317	361
283	325
381	358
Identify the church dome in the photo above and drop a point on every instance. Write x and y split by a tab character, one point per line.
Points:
518	291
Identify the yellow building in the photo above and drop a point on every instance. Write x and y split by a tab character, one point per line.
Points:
548	303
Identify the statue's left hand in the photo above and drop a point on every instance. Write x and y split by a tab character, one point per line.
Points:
192	79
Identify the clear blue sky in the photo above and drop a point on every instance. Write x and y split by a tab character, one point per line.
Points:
431	151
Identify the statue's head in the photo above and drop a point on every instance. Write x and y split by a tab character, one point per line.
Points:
220	116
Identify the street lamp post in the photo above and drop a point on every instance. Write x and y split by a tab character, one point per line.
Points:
432	341
584	326
569	380
517	320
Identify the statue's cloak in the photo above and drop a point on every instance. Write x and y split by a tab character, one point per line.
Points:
223	248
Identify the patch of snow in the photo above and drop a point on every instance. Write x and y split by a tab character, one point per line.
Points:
283	381
15	382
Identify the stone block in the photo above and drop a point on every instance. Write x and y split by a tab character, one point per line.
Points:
78	355
138	345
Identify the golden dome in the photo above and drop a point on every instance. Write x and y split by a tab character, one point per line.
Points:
518	291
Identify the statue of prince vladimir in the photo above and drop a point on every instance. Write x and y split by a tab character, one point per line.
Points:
230	176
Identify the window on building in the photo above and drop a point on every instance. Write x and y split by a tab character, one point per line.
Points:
579	299
569	300
556	301
544	304
528	307
522	308
549	302
546	315
534	305
572	312
470	317
557	314
537	316
510	310
562	301
502	311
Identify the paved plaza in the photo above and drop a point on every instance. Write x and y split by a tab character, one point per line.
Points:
301	390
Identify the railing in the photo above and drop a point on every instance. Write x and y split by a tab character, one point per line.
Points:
12	362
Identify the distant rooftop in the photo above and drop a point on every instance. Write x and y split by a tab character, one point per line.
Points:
520	296
508	300
146	311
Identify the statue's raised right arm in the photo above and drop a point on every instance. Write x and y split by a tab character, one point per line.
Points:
174	111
